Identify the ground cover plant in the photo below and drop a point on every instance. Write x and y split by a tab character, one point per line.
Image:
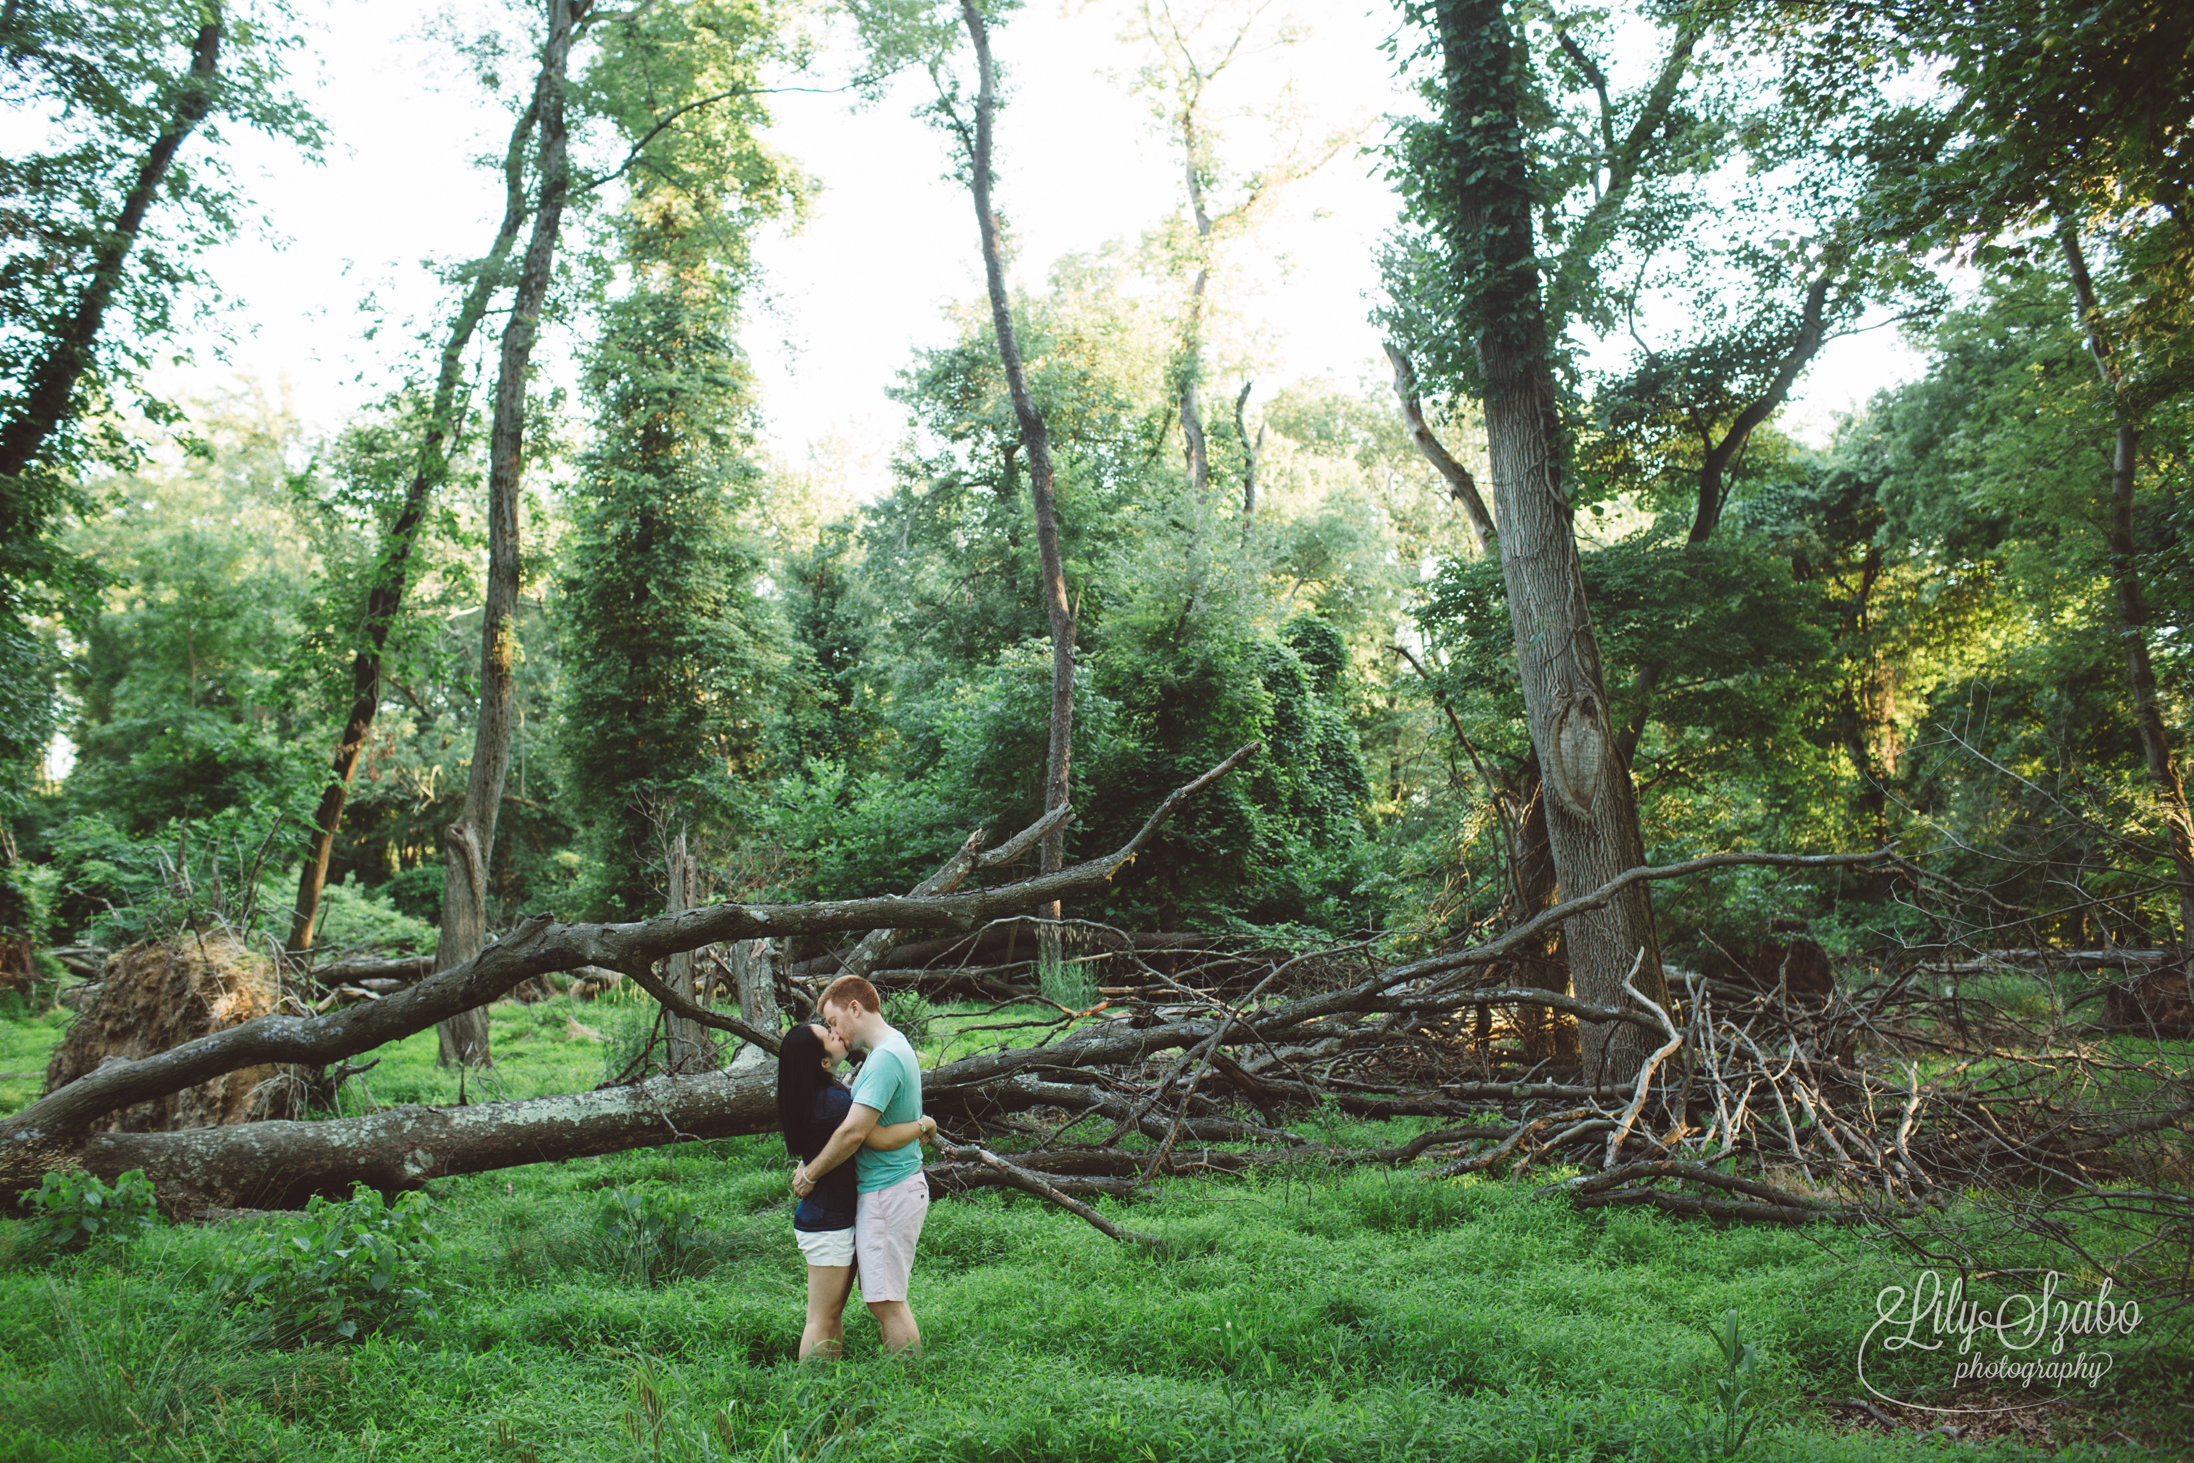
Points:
1307	1313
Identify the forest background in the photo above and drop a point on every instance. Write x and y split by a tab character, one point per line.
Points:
1914	629
548	622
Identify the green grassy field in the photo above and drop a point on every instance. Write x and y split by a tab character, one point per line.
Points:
1354	1314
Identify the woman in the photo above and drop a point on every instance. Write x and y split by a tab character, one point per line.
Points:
810	1106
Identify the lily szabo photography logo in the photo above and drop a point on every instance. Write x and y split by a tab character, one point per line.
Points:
2051	1338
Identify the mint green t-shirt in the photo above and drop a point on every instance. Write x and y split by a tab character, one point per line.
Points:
891	1082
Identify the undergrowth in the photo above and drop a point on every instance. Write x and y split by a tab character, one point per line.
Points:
1313	1313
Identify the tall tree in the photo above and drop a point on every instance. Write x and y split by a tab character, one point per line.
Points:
1475	184
658	597
393	569
1195	46
471	839
976	139
2127	405
105	225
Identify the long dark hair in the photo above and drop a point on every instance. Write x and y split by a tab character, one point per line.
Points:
800	1076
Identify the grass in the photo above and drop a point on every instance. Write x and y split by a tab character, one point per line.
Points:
28	1036
1315	1314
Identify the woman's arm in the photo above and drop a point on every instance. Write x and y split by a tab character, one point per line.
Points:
885	1137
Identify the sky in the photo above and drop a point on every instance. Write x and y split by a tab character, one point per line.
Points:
319	292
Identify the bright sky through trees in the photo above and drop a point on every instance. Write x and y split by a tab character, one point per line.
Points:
326	298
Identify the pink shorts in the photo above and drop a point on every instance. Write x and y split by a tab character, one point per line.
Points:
886	1226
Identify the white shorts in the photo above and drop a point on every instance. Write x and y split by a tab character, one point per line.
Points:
886	1226
826	1247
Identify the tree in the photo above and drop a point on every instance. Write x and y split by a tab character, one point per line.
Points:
116	91
437	422
1194	52
1035	437
471	839
185	672
658	599
2072	124
1475	182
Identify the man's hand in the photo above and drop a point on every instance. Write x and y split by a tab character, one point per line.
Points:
802	1185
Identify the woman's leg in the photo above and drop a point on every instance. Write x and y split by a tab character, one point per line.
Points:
828	1286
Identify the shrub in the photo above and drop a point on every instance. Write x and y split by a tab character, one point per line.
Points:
651	1230
343	1271
70	1210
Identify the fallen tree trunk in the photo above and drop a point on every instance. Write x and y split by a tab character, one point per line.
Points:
1103	1070
537	946
279	1165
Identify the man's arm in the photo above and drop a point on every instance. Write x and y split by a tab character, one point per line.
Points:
885	1137
851	1134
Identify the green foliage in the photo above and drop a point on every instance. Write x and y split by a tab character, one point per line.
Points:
658	597
83	305
114	889
71	1208
1350	1338
1733	1386
649	1230
183	674
342	1272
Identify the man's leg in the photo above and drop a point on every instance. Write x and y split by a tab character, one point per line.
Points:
896	1320
885	1233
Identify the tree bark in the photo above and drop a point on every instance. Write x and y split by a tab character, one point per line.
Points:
392	575
53	380
1251	451
471	840
1035	440
753	966
2126	586
1592	817
280	1165
689	1048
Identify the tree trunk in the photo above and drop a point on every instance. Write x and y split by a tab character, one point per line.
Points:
1544	1033
753	967
279	1165
2126	586
1251	451
1035	439
690	1050
471	840
392	575
52	381
1592	815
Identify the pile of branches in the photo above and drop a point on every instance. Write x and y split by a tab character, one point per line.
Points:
1758	1105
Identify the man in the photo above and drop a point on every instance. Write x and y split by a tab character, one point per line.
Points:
893	1192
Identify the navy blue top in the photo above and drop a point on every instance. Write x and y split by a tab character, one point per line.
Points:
831	1203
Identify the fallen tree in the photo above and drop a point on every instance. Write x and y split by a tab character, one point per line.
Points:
1756	1102
540	945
